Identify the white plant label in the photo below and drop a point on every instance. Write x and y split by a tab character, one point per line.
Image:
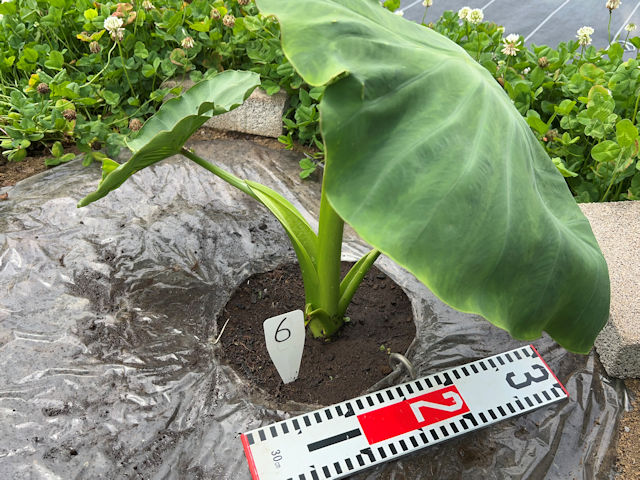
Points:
345	438
284	335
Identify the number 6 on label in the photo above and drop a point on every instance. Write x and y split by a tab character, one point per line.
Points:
284	335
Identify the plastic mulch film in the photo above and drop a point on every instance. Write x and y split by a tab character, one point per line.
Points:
108	315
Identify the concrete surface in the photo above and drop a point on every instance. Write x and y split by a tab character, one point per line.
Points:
260	114
616	226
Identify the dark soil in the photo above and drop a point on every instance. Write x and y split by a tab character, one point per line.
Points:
12	172
628	446
381	322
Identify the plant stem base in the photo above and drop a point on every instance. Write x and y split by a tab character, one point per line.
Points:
330	371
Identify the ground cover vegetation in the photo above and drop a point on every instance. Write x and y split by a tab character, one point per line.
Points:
421	130
90	74
581	102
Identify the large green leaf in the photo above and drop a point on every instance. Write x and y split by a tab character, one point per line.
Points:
168	130
430	162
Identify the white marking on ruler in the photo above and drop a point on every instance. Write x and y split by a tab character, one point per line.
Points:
548	17
457	405
342	439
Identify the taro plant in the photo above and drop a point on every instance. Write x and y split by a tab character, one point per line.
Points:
427	159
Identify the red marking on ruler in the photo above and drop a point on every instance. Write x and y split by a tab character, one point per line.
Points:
249	455
408	415
550	371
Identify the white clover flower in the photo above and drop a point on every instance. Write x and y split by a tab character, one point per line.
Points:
427	3
400	13
147	5
510	49
463	13
475	16
187	42
513	38
511	44
526	71
630	27
113	25
613	4
584	36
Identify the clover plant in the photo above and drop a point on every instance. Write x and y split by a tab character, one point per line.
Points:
430	163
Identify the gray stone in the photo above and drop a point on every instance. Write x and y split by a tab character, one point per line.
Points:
260	114
616	225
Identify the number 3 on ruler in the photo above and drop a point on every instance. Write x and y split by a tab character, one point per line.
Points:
528	378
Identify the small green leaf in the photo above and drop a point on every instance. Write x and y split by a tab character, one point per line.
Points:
533	119
605	151
140	50
52	162
307	166
557	161
90	14
615	52
536	77
634	189
626	133
8	8
30	55
253	24
148	70
592	73
55	61
204	26
565	107
17	155
57	149
270	87
86	101
108	166
111	98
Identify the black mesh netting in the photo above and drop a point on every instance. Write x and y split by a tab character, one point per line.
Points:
107	315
